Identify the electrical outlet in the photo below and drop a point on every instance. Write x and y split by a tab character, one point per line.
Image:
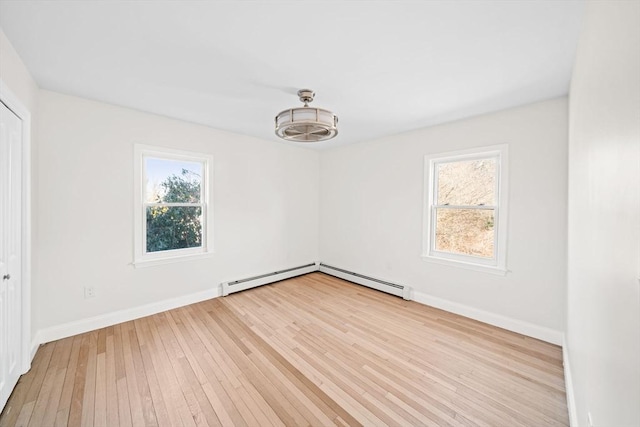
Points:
89	292
589	420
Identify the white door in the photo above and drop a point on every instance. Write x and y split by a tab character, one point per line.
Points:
10	250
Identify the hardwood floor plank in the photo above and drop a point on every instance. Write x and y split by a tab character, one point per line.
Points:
269	391
89	396
169	380
55	395
64	405
100	405
27	390
199	405
25	414
219	365
313	350
118	379
313	396
167	409
77	396
45	395
113	410
140	402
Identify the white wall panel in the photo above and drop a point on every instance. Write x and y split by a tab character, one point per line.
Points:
603	311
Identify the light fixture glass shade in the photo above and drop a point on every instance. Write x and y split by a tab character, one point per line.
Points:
306	124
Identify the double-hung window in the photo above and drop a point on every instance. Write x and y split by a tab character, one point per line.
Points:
172	208
466	208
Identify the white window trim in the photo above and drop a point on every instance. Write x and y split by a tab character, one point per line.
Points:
497	265
140	257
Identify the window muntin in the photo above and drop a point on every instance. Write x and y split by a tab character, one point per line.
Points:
466	206
173	217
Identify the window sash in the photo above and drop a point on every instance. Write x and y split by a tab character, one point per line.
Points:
164	156
195	249
143	258
499	153
493	261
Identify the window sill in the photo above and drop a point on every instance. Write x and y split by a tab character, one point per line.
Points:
498	271
143	263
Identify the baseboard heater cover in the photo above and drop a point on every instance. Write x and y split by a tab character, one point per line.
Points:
264	279
371	282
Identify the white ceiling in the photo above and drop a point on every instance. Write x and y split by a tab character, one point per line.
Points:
383	67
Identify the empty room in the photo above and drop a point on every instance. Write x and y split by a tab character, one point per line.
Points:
315	213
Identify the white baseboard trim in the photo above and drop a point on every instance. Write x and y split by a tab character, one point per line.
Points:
92	323
568	385
525	328
35	344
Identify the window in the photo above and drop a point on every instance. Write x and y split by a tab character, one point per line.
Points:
172	212
466	209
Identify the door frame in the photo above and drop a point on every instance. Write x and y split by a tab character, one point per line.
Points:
15	105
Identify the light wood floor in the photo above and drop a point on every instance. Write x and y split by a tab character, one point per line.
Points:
313	350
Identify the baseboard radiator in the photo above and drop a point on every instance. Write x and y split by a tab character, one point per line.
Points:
381	285
264	279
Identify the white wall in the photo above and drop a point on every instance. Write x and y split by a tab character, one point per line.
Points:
265	200
16	77
371	213
603	311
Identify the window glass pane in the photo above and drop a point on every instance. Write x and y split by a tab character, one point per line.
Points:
465	231
172	181
173	227
470	182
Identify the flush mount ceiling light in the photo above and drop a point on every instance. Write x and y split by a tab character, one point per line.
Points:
306	124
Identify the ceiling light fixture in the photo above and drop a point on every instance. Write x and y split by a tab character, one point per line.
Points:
306	124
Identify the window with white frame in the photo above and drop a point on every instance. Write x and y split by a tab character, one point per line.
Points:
172	206
466	208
